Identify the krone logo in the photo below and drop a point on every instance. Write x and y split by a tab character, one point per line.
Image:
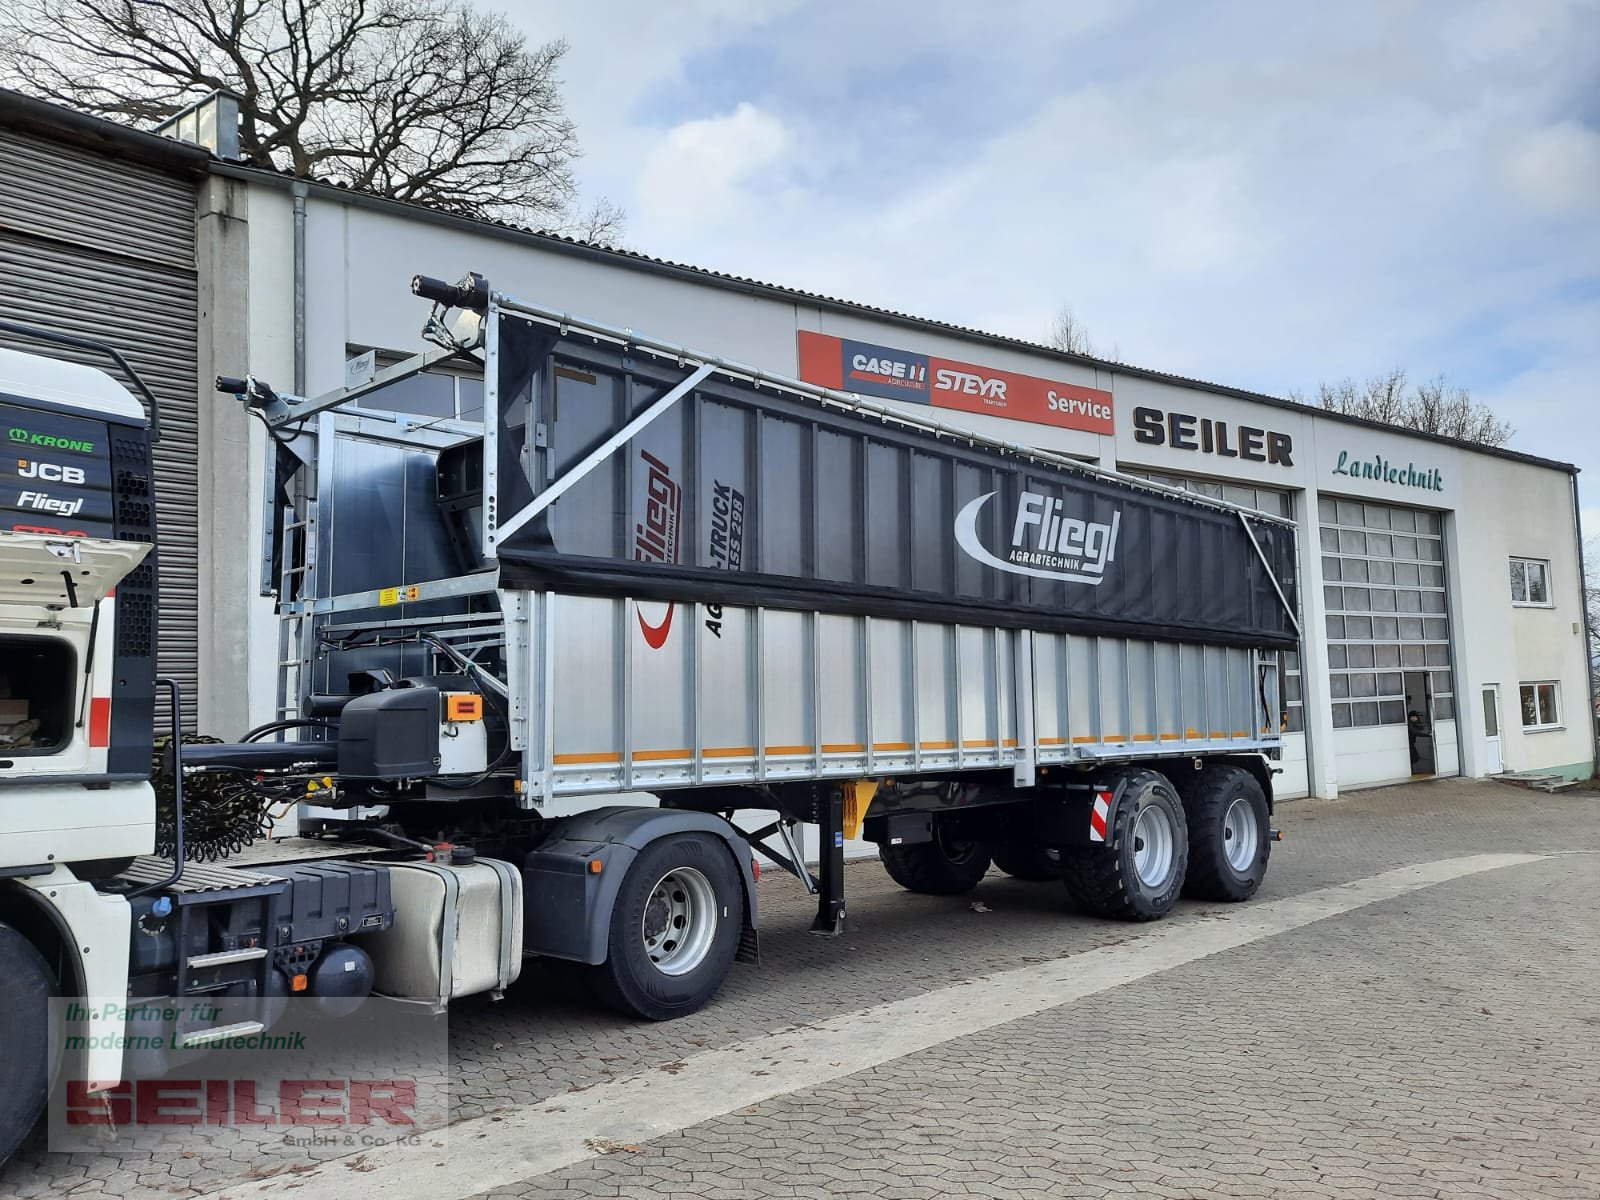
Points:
1045	542
18	435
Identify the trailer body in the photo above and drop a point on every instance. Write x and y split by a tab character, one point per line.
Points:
746	602
764	584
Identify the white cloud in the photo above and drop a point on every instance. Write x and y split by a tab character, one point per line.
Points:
1260	195
701	172
1557	169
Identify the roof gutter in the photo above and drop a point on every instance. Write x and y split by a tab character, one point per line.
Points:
51	120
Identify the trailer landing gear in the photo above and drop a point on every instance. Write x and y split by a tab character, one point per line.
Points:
829	921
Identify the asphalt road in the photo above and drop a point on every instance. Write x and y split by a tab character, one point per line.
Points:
1409	1008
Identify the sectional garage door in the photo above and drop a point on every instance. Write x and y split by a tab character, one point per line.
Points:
104	247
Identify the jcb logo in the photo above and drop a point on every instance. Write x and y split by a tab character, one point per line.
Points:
50	472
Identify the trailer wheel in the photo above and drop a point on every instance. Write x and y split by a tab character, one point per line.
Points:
1228	827
24	1038
1138	871
945	866
1033	863
674	929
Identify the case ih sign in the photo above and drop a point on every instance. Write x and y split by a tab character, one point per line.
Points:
891	374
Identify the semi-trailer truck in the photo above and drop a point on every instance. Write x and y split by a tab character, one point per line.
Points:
641	572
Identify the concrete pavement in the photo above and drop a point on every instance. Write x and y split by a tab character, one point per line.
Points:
1439	1039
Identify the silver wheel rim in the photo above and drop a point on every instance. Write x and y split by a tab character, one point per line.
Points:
680	921
1240	838
1152	846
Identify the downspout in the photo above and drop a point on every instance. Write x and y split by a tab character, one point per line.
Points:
1583	623
299	191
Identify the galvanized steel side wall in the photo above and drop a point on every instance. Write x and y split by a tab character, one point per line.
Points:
772	695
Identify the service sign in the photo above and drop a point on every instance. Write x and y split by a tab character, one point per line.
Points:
55	474
891	374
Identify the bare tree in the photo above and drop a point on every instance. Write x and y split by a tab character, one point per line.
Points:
1071	336
429	101
1068	334
601	223
1437	406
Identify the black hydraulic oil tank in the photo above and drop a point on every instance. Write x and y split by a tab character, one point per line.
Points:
392	734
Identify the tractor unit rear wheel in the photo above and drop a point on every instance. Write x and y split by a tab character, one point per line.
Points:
674	929
24	1038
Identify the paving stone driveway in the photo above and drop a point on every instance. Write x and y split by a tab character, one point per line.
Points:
1432	1045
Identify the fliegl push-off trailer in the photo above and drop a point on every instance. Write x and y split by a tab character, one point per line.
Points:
644	570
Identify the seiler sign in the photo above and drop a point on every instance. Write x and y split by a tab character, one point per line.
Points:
1184	431
869	370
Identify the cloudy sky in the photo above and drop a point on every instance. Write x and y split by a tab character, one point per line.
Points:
1260	194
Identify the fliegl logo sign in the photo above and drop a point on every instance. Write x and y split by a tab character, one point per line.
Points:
1047	542
655	539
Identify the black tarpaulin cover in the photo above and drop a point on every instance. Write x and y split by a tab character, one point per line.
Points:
747	495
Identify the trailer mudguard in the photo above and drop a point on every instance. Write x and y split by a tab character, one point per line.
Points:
568	903
1081	814
1085	813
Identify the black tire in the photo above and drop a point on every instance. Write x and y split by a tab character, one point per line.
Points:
1207	803
1033	863
630	980
942	867
1103	878
24	1038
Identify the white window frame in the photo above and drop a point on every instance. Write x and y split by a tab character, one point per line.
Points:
1555	701
1544	565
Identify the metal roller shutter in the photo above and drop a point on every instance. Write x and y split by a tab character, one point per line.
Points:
104	247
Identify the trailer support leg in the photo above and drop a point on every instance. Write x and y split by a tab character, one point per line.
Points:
830	864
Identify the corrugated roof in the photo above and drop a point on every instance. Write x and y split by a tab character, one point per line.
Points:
562	243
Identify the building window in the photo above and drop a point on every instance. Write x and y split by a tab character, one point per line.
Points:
1541	706
1530	582
1262	499
1387	619
445	391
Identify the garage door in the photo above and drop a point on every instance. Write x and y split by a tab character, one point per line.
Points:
1389	644
103	247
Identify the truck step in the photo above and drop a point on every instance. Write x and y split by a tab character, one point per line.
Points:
219	1033
223	958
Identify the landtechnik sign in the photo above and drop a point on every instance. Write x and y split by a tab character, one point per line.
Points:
882	371
1386	471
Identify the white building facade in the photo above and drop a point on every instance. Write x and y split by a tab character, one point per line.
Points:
1440	585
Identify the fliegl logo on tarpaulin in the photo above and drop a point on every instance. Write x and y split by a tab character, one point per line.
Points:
655	539
1047	542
